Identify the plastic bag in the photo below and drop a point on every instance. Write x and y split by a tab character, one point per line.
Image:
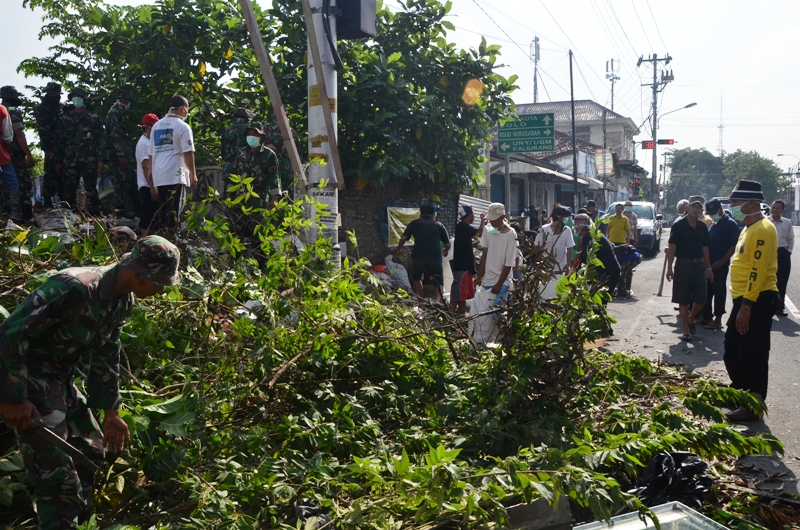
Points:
483	329
679	476
398	273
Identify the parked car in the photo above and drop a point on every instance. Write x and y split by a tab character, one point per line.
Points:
649	226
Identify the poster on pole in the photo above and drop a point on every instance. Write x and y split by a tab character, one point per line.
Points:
398	220
605	163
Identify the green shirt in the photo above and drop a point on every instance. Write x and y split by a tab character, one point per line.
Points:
72	317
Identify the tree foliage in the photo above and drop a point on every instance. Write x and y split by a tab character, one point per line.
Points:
268	378
698	172
402	109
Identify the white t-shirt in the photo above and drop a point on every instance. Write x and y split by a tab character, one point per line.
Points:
169	139
556	245
142	153
502	252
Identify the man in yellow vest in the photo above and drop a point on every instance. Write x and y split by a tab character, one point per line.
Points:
755	296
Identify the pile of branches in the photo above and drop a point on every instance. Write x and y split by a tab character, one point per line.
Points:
269	391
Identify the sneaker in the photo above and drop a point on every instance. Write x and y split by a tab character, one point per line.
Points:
782	313
741	414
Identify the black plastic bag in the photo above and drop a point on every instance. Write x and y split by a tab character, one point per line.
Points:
309	508
680	476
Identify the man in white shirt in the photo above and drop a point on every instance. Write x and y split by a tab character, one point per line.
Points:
172	160
785	247
499	242
556	239
148	193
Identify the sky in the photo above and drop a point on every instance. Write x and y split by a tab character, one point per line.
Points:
737	60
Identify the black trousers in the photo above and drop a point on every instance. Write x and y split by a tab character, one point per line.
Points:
149	208
170	205
747	356
716	295
784	269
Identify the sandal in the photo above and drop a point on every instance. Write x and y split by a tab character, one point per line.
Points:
713	327
686	337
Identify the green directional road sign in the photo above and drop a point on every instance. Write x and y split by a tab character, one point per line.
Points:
529	133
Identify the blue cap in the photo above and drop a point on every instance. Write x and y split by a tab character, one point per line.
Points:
464	210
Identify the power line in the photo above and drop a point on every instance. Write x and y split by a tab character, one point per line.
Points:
500	27
516	21
584	81
614	12
641	25
656	24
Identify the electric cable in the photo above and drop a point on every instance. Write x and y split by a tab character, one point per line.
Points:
641	25
326	24
656	24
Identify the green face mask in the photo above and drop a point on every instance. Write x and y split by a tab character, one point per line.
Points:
715	217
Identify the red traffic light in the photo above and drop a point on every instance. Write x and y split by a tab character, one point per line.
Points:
665	142
648	144
637	181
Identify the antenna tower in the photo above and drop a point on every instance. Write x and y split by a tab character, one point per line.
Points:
612	67
535	59
721	126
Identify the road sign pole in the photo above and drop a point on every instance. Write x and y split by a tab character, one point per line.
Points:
507	186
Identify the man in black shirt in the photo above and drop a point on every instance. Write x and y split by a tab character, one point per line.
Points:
431	243
688	245
463	264
610	272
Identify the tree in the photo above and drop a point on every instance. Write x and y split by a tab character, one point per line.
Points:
405	110
749	165
693	172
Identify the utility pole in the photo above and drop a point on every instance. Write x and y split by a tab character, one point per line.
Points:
535	59
657	87
611	74
721	126
574	146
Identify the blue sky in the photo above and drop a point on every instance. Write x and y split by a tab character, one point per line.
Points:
745	52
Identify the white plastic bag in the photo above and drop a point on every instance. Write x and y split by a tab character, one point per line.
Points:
549	291
398	273
482	329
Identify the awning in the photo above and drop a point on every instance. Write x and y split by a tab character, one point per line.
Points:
517	167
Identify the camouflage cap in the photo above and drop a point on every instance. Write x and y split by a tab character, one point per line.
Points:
258	127
53	88
156	259
122	94
78	91
8	91
243	114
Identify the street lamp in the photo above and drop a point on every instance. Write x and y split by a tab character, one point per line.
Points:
690	105
654	175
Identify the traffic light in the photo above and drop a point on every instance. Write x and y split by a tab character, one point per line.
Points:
665	142
636	183
648	144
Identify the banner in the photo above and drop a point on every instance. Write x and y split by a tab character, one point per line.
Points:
605	163
398	220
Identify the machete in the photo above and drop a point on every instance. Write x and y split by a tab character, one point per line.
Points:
70	450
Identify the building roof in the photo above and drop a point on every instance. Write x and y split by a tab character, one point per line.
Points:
585	110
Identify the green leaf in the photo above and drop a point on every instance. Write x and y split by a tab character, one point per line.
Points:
177	424
169	406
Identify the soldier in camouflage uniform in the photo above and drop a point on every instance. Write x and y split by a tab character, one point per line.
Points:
21	157
47	114
80	151
262	164
121	156
275	141
233	139
74	319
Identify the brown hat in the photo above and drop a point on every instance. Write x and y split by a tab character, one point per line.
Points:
697	199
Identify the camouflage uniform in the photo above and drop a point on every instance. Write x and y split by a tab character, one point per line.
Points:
232	140
120	145
275	141
81	144
18	158
263	167
47	114
73	317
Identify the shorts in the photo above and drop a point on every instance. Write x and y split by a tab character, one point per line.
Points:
689	284
463	287
427	270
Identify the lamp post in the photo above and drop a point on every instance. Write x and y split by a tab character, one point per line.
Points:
654	176
796	184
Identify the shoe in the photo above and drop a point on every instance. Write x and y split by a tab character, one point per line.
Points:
713	327
687	337
782	313
741	414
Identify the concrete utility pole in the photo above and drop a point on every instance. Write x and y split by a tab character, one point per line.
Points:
574	145
322	111
611	74
657	87
535	58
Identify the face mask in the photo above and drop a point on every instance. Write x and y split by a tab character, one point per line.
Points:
127	106
736	213
629	208
492	230
253	141
715	217
78	102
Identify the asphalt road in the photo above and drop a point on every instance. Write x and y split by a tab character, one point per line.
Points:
648	325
